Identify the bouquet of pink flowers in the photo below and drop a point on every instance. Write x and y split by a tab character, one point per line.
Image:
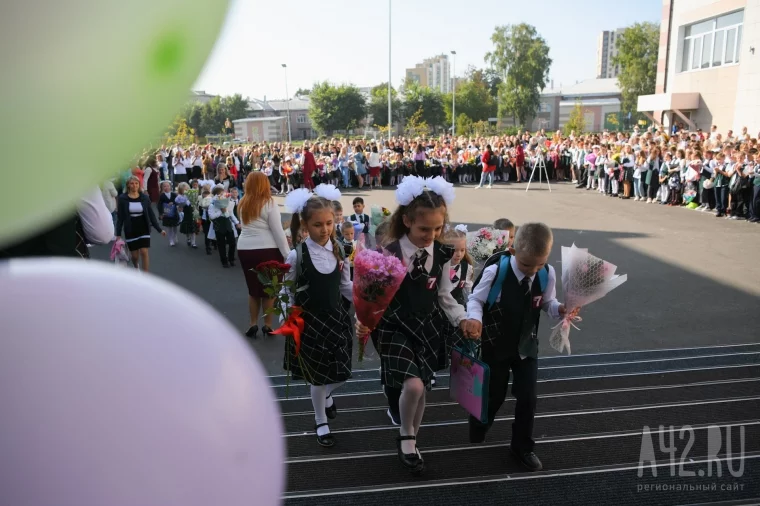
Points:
585	279
377	278
486	242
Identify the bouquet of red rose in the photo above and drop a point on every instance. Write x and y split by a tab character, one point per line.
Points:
377	278
271	274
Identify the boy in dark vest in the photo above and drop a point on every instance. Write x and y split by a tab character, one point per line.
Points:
505	306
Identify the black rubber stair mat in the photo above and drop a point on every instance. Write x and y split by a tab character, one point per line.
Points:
450	412
485	461
619	487
594	358
550	387
300	389
547	425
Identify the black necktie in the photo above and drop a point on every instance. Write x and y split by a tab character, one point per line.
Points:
418	268
455	278
526	285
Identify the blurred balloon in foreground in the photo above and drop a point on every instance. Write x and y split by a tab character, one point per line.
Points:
120	389
87	84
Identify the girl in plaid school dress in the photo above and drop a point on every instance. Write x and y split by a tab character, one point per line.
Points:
423	314
322	283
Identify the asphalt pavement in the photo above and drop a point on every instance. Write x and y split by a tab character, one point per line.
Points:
693	279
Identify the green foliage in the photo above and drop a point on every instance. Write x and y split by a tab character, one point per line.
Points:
179	133
637	58
426	100
336	107
464	124
416	126
576	123
235	107
521	56
378	105
212	117
303	92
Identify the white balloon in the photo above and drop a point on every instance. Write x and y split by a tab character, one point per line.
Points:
86	85
121	389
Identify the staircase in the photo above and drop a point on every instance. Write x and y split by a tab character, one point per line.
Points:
588	430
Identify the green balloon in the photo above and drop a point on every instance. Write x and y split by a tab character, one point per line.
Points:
86	85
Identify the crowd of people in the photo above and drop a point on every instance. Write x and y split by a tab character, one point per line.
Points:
706	171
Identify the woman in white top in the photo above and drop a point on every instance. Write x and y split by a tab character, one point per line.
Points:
262	239
374	168
180	168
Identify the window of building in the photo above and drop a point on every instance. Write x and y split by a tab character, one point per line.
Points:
301	118
544	107
712	43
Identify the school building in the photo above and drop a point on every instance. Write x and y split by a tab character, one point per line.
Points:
708	69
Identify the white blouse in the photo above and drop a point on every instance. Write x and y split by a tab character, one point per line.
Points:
264	232
324	261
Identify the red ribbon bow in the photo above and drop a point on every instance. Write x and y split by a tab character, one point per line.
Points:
293	327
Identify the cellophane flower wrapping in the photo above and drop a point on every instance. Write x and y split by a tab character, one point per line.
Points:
585	279
486	242
377	277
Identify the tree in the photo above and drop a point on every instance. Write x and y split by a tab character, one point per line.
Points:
576	122
489	77
428	102
336	107
416	126
521	56
213	117
192	113
473	100
378	105
303	92
235	107
464	124
179	133
637	50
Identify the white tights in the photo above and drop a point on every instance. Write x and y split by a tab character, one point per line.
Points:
320	401
411	408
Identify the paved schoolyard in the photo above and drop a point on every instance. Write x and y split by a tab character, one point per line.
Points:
693	279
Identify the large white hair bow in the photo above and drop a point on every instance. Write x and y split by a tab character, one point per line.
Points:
327	191
296	200
413	186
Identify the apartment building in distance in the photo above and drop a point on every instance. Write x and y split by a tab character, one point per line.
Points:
433	73
605	51
708	69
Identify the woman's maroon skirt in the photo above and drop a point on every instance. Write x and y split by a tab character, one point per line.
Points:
249	260
374	171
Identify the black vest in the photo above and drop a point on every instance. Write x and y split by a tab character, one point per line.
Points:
63	240
458	291
511	326
323	294
418	297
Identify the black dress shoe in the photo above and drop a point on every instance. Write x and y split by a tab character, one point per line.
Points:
527	459
332	411
252	331
226	266
328	441
411	461
477	430
266	330
208	251
395	418
232	263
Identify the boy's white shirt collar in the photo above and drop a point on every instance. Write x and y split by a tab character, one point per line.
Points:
518	273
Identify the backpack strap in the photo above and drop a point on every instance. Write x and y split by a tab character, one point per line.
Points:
501	275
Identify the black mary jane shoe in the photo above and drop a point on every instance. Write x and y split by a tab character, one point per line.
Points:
332	411
252	331
328	441
266	330
411	461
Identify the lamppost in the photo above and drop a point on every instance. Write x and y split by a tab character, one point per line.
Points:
390	118
287	99
454	94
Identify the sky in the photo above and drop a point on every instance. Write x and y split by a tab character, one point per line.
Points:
346	41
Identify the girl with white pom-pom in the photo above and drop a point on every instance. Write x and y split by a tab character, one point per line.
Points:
411	337
322	281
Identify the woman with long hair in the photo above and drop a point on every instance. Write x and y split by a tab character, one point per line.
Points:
262	239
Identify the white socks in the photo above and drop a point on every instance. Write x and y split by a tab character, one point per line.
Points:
411	408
